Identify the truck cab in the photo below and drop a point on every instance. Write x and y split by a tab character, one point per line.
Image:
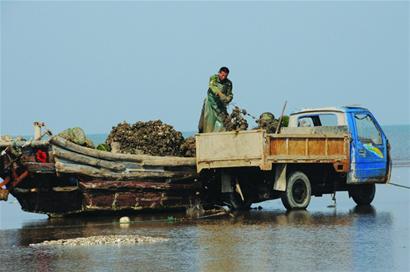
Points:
370	160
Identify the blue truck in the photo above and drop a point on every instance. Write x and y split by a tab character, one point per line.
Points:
322	151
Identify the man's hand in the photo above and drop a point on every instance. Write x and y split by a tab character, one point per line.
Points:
222	97
220	94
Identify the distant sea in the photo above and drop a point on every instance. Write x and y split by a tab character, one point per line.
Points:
399	138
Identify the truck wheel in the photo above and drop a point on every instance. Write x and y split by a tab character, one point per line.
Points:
363	194
298	192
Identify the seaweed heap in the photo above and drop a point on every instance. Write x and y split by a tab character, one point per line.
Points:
77	135
268	122
269	126
151	138
236	120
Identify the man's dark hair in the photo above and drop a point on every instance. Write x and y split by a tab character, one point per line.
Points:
224	69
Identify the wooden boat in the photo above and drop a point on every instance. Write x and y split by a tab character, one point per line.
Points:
58	177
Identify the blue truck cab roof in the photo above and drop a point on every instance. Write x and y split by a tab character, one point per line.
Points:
338	114
331	109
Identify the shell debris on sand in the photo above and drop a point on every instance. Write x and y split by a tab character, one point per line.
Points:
117	240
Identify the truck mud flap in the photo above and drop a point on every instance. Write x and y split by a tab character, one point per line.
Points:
280	177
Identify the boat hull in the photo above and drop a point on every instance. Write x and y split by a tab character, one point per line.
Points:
59	178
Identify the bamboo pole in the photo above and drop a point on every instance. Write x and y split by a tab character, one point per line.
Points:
281	117
31	143
144	159
79	158
91	171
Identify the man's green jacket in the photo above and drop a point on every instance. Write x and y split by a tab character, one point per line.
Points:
214	108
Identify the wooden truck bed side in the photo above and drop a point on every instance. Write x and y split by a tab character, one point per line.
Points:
257	148
310	148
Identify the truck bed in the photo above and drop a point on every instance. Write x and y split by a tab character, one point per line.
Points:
256	148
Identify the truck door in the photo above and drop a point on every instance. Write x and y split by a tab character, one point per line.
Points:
369	150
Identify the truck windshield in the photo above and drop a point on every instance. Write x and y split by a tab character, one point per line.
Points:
367	131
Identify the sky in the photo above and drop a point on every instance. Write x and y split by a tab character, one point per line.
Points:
95	64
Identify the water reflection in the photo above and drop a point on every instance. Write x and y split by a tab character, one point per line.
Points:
255	240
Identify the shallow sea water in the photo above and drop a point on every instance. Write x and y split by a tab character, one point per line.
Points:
345	238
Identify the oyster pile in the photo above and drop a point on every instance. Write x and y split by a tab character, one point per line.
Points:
236	120
151	138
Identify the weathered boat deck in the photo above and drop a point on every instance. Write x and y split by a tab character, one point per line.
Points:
74	179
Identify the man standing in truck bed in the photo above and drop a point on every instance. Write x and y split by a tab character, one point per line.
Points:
214	108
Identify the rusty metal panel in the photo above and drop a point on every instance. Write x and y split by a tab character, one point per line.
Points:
50	202
296	147
114	201
335	147
315	148
137	185
279	146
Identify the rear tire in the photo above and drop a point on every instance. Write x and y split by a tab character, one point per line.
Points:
363	194
298	192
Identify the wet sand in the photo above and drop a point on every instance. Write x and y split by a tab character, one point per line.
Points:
344	238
